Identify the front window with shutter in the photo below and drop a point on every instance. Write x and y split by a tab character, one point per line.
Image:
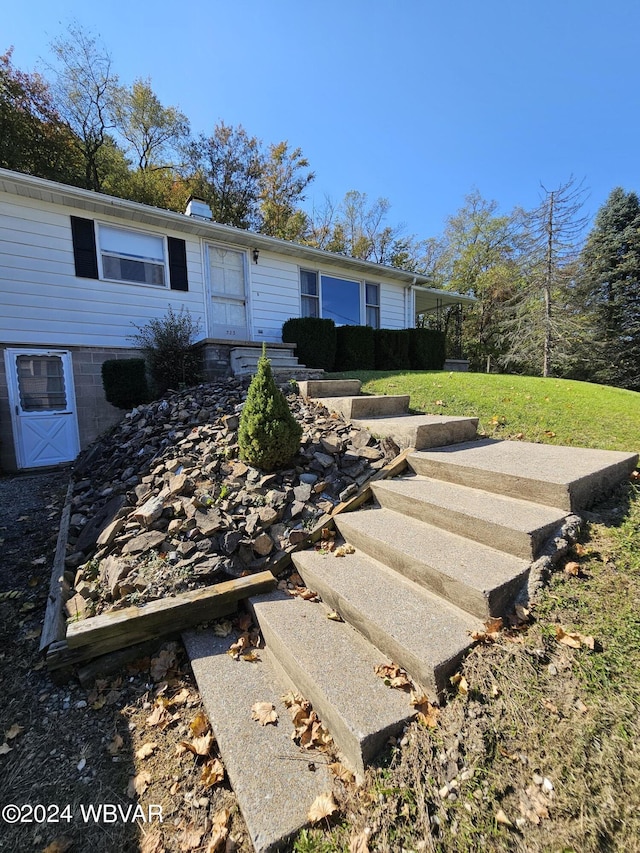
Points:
132	256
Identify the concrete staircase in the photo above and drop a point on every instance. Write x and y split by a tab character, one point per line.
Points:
446	546
284	364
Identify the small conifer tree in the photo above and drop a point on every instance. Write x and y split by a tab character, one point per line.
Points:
268	435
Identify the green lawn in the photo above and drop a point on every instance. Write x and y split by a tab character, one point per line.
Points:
554	411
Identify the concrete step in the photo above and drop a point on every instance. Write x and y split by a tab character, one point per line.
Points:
415	629
571	478
515	526
375	405
472	576
421	431
331	388
332	666
275	789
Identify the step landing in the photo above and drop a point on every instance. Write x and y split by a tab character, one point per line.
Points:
412	627
330	388
421	431
375	405
515	526
332	666
268	772
479	579
570	478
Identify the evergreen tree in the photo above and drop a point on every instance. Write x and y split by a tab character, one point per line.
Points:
610	286
268	435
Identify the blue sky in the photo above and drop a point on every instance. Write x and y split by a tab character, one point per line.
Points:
418	102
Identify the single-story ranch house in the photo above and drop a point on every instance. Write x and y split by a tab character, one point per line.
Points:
78	269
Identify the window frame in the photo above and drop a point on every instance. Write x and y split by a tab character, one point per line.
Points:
373	305
319	274
101	252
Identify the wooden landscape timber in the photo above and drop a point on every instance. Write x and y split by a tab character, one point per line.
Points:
55	624
117	629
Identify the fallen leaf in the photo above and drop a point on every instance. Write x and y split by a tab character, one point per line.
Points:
323	806
393	676
198	746
59	845
222	627
327	533
502	818
138	784
116	745
159	717
33	635
181	697
264	713
4	749
458	680
343	550
359	843
212	773
427	713
146	750
219	831
575	640
191	837
152	842
244	622
342	773
199	725
334	616
548	704
572	568
13	732
580	707
579	550
161	664
251	656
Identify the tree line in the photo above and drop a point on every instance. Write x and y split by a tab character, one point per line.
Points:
553	299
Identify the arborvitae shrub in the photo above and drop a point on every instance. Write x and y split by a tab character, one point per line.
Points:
355	349
268	434
391	349
315	340
426	349
125	382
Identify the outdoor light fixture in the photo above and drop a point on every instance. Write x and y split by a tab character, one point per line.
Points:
256	255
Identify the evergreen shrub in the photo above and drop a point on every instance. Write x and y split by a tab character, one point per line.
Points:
315	340
125	382
391	349
426	349
268	434
355	350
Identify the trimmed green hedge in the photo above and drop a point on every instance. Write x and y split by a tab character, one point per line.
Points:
355	349
315	340
125	382
426	349
392	349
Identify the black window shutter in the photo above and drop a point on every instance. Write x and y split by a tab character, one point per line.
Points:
177	264
84	247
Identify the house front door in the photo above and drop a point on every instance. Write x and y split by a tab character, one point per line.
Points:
43	411
228	289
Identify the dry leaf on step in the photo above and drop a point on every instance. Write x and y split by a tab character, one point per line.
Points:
264	713
359	843
393	676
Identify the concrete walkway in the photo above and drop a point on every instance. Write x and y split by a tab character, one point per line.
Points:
447	545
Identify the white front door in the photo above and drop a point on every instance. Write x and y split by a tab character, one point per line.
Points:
228	289
43	411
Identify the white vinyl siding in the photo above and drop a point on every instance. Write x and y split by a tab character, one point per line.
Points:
42	302
275	295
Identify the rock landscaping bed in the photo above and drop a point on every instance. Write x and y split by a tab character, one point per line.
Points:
163	506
